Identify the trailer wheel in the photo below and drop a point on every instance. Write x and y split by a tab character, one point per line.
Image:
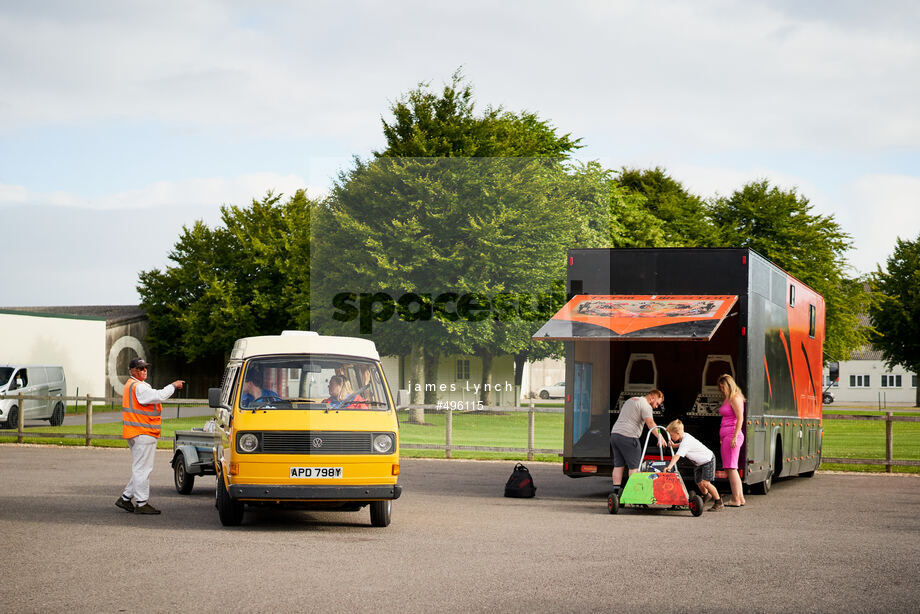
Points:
381	512
229	510
184	480
613	503
696	505
57	416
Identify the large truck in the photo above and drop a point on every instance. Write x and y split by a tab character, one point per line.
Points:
676	319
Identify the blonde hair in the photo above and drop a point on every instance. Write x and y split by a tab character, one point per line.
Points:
732	386
675	426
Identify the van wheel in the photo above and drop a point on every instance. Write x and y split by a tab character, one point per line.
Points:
380	513
12	418
184	480
57	416
229	510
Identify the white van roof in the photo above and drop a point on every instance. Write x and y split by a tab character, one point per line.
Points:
304	342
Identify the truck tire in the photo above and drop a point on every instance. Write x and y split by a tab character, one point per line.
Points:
184	480
57	416
764	487
229	510
381	512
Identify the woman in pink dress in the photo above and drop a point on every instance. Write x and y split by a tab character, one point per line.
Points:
731	435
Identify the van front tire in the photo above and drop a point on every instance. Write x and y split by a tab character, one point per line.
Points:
12	418
381	512
229	510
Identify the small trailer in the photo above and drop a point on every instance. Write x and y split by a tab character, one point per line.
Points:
675	319
193	454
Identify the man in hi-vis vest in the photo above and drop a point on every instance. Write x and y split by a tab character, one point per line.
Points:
140	417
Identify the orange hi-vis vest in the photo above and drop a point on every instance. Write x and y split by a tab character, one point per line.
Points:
137	419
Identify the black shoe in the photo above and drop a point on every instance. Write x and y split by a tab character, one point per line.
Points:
146	509
125	505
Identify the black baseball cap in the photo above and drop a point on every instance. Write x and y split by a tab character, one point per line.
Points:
138	363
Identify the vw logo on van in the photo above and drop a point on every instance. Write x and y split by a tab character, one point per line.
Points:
317	442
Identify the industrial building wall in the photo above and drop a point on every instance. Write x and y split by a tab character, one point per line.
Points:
75	343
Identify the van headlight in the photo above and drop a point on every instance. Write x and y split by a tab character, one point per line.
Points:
383	443
248	442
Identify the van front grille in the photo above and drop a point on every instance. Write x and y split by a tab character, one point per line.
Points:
316	442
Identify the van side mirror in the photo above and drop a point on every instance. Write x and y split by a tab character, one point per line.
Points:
214	397
402	398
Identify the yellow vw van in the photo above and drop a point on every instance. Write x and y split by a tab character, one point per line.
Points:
305	421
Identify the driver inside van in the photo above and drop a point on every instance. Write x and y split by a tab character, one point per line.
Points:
339	397
253	390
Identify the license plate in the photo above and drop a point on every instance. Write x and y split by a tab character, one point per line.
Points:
324	473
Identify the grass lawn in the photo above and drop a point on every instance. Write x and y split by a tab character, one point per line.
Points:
866	439
842	438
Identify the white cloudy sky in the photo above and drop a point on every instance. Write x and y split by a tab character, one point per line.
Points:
122	121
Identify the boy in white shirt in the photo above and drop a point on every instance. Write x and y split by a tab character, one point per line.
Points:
703	459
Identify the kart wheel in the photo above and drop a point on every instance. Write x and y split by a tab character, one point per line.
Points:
696	505
613	503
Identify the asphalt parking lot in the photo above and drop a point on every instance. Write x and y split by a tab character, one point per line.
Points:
832	543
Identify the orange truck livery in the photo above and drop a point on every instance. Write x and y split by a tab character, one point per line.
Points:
676	319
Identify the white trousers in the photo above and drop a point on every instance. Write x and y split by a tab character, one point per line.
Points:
142	454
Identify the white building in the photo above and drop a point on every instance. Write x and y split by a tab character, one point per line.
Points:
866	380
76	343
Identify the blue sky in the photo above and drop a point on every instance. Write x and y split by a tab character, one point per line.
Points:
122	121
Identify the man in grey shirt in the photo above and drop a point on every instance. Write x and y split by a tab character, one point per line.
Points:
624	436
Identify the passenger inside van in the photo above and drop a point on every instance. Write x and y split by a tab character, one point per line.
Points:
339	397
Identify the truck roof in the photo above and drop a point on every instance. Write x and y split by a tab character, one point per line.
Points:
304	342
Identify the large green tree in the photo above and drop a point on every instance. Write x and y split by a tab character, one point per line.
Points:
780	225
426	123
895	312
232	281
468	213
683	216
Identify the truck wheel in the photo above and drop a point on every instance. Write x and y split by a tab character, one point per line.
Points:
12	418
380	513
229	510
57	416
613	503
765	486
184	480
696	505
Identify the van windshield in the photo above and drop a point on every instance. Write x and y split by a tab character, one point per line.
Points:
5	374
313	381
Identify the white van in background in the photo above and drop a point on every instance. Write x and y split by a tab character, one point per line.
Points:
32	380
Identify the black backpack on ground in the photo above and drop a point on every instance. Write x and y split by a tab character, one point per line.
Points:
520	484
